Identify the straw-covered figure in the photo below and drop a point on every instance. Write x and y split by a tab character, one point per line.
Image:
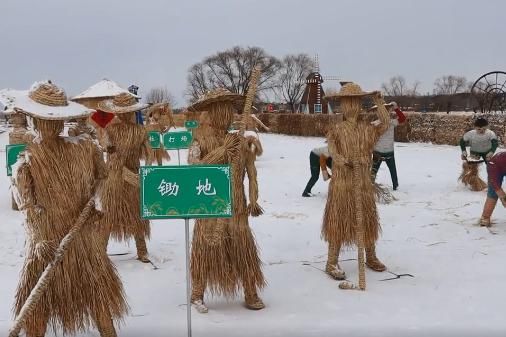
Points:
224	253
54	182
160	120
483	143
350	216
126	143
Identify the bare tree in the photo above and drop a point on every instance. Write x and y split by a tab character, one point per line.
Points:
231	69
160	95
395	87
447	86
398	87
292	78
450	85
414	89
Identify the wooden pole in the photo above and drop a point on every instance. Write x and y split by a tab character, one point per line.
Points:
250	95
359	217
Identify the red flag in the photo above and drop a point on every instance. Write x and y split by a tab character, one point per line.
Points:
102	118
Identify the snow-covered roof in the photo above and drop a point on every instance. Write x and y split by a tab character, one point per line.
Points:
8	98
104	88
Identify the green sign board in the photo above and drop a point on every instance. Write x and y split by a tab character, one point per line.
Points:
12	152
177	140
154	139
191	124
185	192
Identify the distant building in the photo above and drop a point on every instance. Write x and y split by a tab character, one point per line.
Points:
312	100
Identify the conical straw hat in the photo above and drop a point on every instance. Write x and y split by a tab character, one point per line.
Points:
217	95
350	90
121	103
47	101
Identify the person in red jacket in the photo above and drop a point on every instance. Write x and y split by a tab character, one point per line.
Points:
496	170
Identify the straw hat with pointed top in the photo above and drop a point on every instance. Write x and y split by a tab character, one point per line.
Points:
217	95
350	90
122	103
47	101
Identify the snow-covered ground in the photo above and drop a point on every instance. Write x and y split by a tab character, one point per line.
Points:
430	232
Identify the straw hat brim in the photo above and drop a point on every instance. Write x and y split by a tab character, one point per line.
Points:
338	96
237	99
109	106
33	109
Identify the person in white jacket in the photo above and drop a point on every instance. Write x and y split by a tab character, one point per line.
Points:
319	158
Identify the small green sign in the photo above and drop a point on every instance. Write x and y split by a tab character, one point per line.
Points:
12	152
185	192
191	124
177	140
154	139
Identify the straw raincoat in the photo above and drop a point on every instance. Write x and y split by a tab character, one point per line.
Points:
351	143
224	253
53	183
126	142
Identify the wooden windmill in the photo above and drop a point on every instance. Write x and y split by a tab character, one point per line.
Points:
312	99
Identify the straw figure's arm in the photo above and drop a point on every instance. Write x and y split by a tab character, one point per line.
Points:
101	171
226	153
254	208
383	121
254	145
23	184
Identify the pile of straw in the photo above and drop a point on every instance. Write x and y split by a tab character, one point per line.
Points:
470	177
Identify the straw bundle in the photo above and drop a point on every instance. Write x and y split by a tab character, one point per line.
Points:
53	188
470	177
120	200
382	194
254	145
253	208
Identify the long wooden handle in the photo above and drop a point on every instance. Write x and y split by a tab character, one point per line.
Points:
250	95
359	216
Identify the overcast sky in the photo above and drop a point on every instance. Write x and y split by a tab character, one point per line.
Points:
154	42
